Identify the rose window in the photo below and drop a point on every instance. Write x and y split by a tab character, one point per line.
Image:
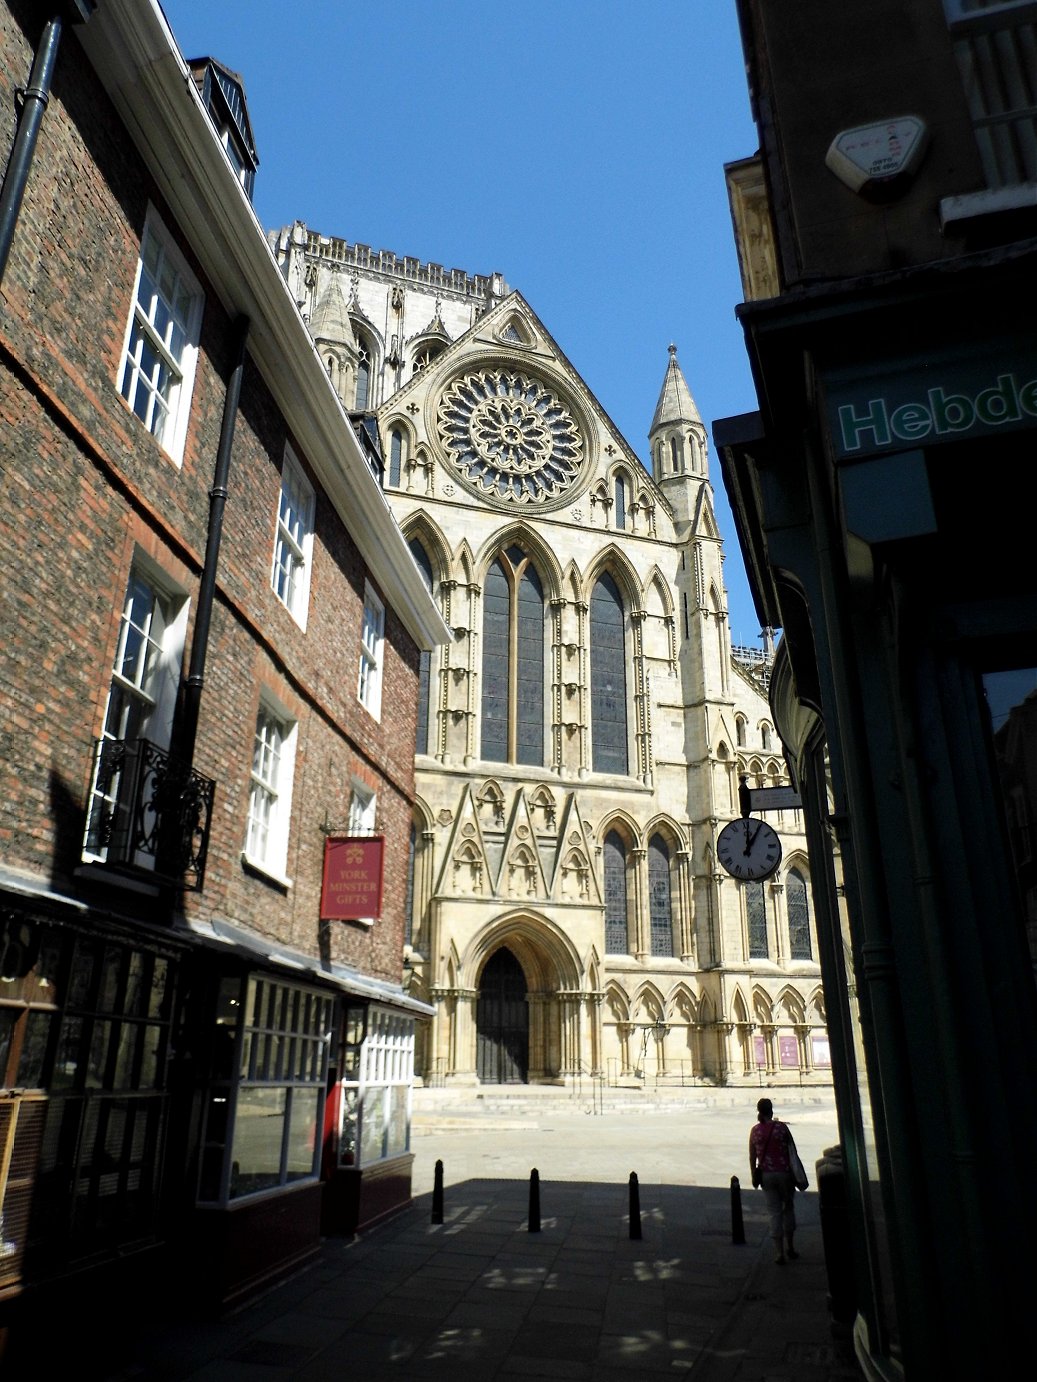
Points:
509	437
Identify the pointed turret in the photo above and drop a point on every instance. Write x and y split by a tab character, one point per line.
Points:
677	436
335	340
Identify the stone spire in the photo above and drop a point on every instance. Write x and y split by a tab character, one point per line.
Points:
676	405
330	319
677	436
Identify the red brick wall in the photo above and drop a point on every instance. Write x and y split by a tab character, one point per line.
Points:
83	485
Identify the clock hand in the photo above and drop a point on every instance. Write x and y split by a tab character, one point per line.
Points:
750	840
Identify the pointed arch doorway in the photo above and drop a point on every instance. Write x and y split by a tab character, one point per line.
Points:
502	1021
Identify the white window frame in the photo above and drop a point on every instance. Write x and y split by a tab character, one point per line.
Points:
293	540
152	684
375	1109
280	1036
363	818
372	653
270	791
988	71
170	332
363	804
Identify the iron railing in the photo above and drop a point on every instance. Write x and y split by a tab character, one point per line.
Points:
150	812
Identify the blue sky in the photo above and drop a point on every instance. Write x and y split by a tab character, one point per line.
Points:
575	146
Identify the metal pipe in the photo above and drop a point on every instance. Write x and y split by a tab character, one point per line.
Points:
35	98
207	588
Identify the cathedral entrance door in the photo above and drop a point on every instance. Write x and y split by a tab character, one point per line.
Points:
502	1022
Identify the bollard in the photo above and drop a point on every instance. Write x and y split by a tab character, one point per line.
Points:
437	1195
635	1206
534	1201
737	1227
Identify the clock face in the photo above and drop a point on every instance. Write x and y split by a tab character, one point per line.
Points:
749	848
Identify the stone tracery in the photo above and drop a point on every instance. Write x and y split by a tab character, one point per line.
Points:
509	437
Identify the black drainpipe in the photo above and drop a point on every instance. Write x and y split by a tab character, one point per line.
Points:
33	103
188	729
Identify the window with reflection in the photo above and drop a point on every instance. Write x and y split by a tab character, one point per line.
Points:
513	661
266	1097
1011	698
378	1071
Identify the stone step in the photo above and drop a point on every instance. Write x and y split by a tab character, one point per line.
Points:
514	1105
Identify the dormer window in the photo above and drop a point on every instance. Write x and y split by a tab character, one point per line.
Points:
223	96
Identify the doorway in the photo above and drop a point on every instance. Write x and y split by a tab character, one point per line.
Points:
502	1022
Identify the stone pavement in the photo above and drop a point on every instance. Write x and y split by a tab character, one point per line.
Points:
480	1297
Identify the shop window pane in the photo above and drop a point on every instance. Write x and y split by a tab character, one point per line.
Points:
1012	704
81	980
8	1017
126	1050
348	1138
108	998
397	1134
135	985
66	1062
372	1126
258	1138
157	996
302	1133
97	1065
151	1048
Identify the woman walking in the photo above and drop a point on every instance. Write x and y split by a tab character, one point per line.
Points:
770	1143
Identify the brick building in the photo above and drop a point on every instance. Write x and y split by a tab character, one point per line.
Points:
212	630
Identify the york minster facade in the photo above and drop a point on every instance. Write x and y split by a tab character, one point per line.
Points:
582	737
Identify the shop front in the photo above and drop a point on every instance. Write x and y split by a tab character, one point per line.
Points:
881	501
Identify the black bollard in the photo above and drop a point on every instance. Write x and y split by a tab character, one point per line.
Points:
437	1195
737	1227
635	1206
534	1201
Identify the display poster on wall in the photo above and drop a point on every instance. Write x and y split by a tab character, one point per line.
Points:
760	1047
352	887
788	1052
820	1052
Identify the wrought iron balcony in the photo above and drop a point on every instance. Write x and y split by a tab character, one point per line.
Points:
150	813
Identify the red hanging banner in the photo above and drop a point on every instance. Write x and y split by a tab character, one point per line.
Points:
352	877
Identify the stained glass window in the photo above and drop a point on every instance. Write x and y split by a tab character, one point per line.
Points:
608	679
799	916
616	928
756	914
513	689
660	907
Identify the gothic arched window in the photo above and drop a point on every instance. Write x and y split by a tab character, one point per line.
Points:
799	916
674	455
756	915
513	661
408	906
617	933
363	372
424	565
660	906
395	456
608	678
740	731
621	502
